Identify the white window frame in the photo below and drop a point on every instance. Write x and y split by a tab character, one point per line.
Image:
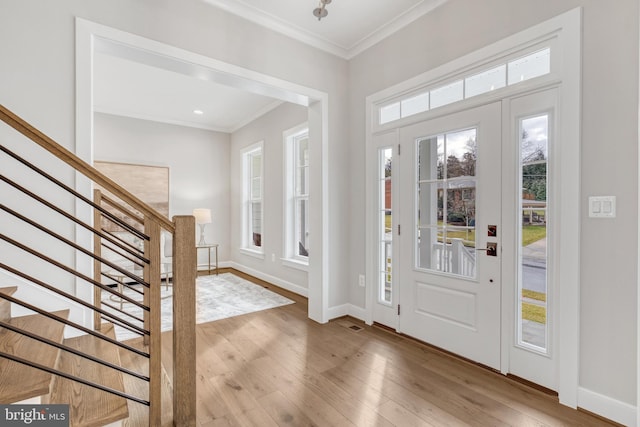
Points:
562	33
393	106
291	138
248	247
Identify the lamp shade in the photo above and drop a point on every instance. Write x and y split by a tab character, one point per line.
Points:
203	216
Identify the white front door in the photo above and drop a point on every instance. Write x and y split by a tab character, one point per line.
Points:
449	252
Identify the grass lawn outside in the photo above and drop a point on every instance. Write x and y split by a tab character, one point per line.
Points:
533	233
539	296
534	313
530	233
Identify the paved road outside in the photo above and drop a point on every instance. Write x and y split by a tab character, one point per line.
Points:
534	272
534	266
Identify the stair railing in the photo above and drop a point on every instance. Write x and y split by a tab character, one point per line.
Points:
135	219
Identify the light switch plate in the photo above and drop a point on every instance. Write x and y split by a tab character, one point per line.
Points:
602	206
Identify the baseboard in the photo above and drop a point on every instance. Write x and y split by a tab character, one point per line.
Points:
607	407
292	287
338	311
205	266
346	310
357	312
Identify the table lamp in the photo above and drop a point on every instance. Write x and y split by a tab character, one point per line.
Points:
203	217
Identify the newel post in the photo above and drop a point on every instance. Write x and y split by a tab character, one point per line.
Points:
152	319
184	321
97	265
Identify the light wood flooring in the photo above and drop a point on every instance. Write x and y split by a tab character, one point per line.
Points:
278	368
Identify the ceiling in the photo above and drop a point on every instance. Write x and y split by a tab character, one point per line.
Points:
350	27
128	87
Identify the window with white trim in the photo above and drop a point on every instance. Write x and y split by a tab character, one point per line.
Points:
252	176
479	81
296	227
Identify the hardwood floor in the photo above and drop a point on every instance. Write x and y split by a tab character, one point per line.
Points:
277	368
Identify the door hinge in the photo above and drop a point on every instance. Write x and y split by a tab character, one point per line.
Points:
398	149
398	229
398	309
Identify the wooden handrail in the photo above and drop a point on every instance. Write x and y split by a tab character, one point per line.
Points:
184	268
81	166
114	204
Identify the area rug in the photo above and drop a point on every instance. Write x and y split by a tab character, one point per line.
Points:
217	297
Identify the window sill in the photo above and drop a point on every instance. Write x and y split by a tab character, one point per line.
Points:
295	263
252	252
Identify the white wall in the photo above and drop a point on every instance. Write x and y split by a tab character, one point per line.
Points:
609	154
38	81
198	162
269	129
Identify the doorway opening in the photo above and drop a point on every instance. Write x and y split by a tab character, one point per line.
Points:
91	36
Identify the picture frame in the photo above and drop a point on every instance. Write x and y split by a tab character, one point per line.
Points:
147	182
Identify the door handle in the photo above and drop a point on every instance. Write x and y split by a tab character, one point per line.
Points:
491	249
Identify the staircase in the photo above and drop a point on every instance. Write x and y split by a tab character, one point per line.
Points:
62	249
91	406
33	383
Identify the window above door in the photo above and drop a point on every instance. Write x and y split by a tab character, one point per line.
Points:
493	75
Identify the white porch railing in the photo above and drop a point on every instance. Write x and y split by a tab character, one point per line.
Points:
454	258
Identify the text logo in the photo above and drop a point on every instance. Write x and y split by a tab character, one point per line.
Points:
34	415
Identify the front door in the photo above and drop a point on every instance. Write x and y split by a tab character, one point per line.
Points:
448	234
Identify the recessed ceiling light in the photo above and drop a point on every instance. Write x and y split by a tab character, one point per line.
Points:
198	112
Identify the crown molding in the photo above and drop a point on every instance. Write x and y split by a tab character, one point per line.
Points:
278	25
393	26
274	23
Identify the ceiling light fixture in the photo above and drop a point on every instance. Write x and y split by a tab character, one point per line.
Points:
320	11
198	112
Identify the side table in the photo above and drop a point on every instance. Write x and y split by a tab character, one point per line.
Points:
208	248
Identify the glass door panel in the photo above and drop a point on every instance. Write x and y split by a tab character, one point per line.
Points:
385	221
532	304
446	194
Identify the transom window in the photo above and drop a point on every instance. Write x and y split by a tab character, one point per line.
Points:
509	73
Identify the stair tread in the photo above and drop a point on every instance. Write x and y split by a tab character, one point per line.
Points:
5	306
19	382
90	406
8	290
